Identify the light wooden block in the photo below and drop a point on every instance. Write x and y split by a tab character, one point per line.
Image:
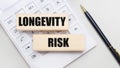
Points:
44	28
76	42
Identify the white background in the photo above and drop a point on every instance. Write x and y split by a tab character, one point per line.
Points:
107	15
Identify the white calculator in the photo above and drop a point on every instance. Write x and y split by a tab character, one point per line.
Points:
23	40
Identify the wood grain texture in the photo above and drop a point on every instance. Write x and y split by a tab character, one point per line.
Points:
76	42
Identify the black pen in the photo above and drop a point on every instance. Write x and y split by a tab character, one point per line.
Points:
101	34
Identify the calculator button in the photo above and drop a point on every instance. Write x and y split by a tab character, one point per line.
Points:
23	39
71	19
15	32
34	56
21	11
59	3
64	9
28	48
10	22
48	9
75	29
30	7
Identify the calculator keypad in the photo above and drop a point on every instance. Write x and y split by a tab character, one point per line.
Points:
24	39
31	7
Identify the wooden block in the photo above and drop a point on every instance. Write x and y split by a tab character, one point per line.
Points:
46	22
64	42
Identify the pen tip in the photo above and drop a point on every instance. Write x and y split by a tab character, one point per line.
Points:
83	9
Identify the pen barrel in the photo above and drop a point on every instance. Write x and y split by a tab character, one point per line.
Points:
99	31
103	37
